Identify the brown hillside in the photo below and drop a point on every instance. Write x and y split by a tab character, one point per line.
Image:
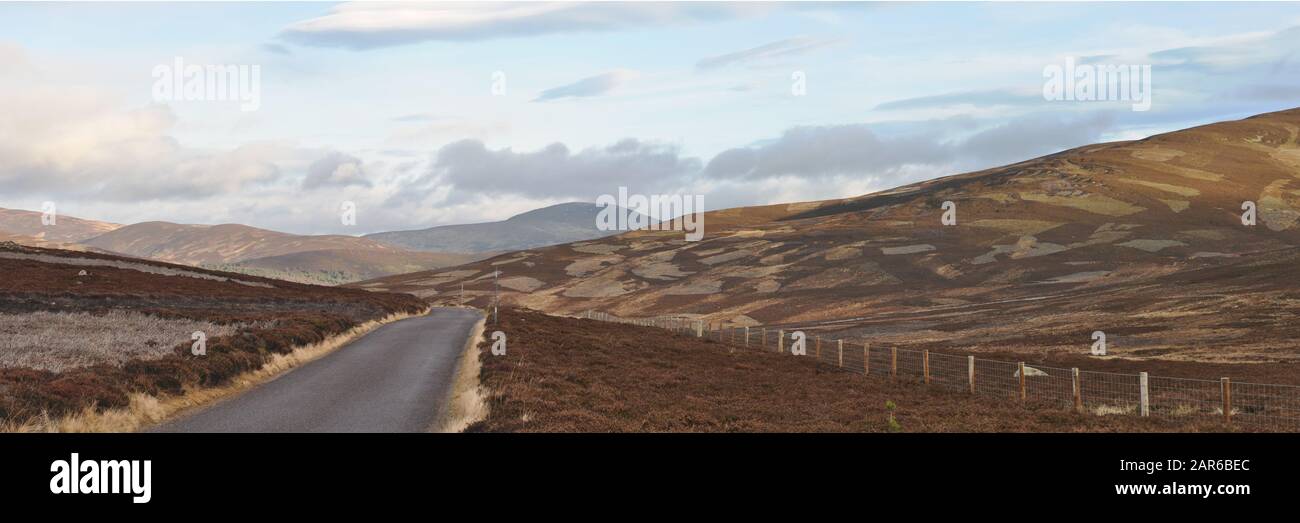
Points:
65	230
1142	240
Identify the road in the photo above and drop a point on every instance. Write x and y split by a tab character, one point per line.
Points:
394	379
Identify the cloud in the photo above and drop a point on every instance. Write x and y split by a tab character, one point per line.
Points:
1265	92
587	87
818	153
765	52
835	160
78	143
443	130
1034	135
416	117
556	172
275	48
335	169
73	144
823	151
1231	52
976	98
368	25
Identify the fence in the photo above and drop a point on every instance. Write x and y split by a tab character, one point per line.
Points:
1272	407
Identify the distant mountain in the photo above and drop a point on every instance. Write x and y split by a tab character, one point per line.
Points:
338	266
563	223
326	259
227	243
64	230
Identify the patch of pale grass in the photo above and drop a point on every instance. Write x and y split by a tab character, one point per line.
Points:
58	341
1176	189
1111	410
1093	203
1152	245
1018	227
468	402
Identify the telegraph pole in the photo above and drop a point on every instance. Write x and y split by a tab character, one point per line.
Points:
496	300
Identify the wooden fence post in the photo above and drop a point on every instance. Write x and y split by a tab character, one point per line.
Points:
970	372
866	358
1144	395
893	363
925	365
1078	390
747	335
780	341
763	342
1022	381
819	348
1226	390
699	329
841	343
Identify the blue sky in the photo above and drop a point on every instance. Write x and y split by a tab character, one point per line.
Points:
392	106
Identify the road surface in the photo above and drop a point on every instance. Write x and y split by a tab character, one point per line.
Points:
394	379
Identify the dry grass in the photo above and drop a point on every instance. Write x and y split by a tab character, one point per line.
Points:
58	341
574	375
468	402
145	410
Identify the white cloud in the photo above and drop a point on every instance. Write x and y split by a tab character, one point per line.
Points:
555	171
335	169
598	85
765	53
366	25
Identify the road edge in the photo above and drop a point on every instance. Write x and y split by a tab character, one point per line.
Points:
145	411
467	402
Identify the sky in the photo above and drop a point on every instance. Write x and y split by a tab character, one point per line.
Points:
424	114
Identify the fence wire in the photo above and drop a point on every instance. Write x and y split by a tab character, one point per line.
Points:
1273	407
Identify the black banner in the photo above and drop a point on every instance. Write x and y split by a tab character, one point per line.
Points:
1086	471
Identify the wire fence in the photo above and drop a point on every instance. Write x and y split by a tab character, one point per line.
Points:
1265	406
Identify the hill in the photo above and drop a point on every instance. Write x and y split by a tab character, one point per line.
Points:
227	243
1140	239
27	225
563	223
325	259
338	266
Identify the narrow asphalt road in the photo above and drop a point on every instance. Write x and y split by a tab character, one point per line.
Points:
394	379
